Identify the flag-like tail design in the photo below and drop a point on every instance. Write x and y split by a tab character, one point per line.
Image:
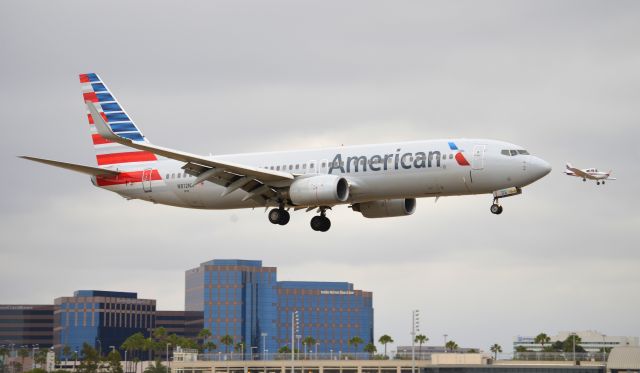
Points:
110	153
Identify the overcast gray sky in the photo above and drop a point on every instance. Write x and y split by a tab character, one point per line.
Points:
560	78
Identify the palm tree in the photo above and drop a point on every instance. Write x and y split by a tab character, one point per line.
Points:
542	338
227	341
210	346
66	351
156	368
239	347
307	343
496	349
4	352
384	340
451	345
355	342
23	353
421	339
370	348
135	343
204	335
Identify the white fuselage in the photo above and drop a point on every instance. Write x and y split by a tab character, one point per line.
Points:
385	171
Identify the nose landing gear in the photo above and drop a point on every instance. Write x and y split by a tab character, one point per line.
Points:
496	208
321	223
279	216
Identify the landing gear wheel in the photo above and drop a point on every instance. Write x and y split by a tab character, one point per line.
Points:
597	183
320	223
279	216
496	209
602	182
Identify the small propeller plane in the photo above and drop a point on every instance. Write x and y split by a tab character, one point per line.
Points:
589	173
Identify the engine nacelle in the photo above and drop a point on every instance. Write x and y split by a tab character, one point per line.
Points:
386	208
319	190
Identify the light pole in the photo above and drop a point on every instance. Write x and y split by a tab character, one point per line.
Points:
125	362
298	337
317	343
33	355
252	348
445	342
330	354
113	348
75	364
294	330
264	345
99	348
168	369
415	328
604	349
573	339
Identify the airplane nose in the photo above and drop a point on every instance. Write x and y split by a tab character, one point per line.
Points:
539	168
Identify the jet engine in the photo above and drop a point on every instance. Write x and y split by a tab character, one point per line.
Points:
386	208
319	190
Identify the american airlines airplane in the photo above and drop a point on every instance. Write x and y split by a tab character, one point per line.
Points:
378	181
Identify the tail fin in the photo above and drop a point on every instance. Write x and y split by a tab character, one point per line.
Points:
110	153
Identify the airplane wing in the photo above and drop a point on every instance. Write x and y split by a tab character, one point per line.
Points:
577	172
203	168
94	171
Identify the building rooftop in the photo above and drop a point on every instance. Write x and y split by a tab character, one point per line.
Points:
104	293
234	262
315	285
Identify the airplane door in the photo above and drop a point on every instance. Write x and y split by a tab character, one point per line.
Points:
146	180
477	162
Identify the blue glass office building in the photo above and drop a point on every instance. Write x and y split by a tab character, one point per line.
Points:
243	299
100	318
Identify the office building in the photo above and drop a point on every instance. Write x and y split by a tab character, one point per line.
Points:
182	323
26	325
101	318
243	299
591	341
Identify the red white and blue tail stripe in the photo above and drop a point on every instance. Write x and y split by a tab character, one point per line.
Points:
110	153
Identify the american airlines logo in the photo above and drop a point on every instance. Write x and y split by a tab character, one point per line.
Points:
396	161
336	292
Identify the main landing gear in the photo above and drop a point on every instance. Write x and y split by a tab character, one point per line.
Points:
279	216
321	223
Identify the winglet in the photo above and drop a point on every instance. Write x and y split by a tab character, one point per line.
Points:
101	126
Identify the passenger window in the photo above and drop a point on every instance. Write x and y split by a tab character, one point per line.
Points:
173	176
450	156
272	167
179	175
324	164
504	152
297	166
513	152
278	168
311	165
304	166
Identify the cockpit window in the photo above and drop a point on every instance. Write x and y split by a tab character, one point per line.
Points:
513	152
523	152
504	152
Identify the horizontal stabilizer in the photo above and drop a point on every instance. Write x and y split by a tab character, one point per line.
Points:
94	171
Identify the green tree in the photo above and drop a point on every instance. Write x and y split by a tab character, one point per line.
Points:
4	352
421	339
66	351
15	366
90	360
384	340
451	346
355	342
23	353
157	367
496	349
133	345
308	344
370	348
239	348
227	341
40	357
567	344
203	337
284	350
542	339
113	362
521	349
